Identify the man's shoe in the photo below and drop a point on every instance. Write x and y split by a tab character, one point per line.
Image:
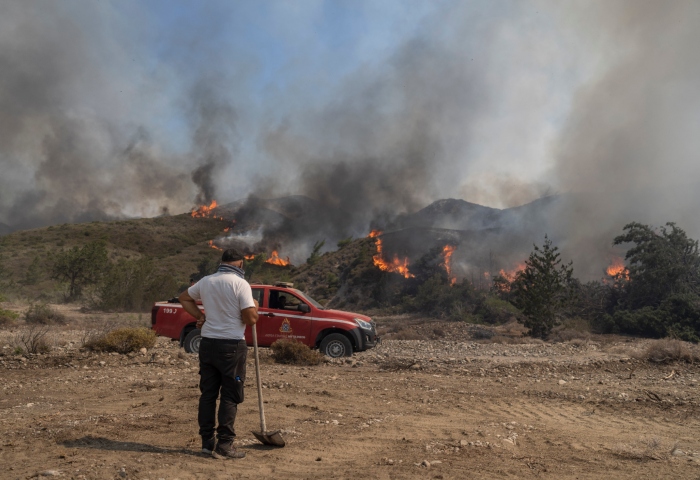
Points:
227	451
208	445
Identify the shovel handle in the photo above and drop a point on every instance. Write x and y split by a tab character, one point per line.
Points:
263	428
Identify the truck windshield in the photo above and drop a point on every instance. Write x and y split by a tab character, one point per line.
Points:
308	299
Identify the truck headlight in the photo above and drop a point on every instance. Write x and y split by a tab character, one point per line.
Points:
363	325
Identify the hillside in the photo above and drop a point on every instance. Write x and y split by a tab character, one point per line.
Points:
177	243
486	240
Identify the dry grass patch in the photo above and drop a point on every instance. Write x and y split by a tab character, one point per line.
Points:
294	353
122	340
669	350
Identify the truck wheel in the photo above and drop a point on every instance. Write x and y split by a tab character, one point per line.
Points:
192	340
336	345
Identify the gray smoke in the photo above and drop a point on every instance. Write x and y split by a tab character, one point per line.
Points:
92	128
630	148
214	137
83	121
384	146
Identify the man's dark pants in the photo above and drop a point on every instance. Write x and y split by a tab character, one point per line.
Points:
221	369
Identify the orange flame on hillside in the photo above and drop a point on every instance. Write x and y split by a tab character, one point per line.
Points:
276	260
617	269
205	211
447	252
396	265
249	257
511	274
211	244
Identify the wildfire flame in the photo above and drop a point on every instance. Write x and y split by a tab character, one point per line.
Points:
211	244
276	260
510	274
205	211
617	269
447	252
396	265
249	257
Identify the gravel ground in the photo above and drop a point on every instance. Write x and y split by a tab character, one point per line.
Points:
447	407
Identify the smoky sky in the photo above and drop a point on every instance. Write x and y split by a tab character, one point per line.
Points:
629	150
84	120
373	110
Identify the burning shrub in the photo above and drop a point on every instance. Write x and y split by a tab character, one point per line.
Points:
43	314
292	352
123	340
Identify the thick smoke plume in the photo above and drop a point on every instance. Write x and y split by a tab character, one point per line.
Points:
214	137
77	122
629	150
385	146
100	118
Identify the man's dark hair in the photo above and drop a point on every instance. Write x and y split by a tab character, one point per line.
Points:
231	255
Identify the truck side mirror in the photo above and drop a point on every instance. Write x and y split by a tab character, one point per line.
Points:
304	308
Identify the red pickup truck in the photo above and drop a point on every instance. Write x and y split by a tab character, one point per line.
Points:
284	312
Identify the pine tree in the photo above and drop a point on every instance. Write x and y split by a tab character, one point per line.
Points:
542	289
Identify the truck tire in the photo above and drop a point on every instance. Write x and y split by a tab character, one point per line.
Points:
192	340
336	345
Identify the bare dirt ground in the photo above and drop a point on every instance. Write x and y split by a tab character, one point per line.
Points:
437	408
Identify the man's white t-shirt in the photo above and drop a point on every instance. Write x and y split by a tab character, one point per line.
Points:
223	295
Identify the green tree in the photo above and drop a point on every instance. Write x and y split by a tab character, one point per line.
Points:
542	289
662	263
315	255
133	285
659	295
80	267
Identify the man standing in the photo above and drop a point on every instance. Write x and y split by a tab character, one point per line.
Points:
229	305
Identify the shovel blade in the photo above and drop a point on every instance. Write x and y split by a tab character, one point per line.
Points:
270	438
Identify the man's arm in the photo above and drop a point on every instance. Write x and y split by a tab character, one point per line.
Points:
190	306
249	316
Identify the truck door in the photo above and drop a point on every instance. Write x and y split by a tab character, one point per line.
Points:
283	319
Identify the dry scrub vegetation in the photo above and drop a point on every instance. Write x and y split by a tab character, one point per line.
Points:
291	352
668	350
122	340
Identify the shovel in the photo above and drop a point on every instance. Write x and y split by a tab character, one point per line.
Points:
267	438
